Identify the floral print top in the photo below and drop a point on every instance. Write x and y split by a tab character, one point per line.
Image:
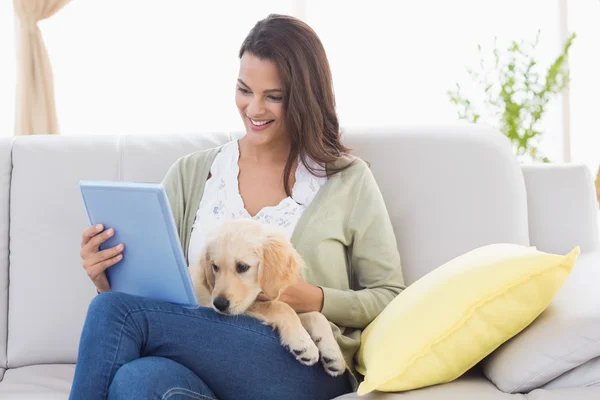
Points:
222	200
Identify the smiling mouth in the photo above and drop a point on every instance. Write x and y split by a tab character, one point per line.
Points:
260	124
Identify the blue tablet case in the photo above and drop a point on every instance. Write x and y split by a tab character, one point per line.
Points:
153	263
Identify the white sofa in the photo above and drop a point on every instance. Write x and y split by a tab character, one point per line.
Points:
448	190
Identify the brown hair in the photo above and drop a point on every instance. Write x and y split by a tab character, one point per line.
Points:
309	112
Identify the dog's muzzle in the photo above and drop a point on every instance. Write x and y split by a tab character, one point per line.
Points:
221	304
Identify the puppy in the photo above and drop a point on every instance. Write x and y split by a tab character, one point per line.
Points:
243	258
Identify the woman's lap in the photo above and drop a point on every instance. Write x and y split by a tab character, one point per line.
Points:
236	357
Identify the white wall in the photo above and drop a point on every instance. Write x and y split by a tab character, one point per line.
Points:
393	62
584	19
140	67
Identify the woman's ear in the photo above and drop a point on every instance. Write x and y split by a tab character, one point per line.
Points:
280	265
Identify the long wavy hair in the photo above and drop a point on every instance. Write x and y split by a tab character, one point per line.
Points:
310	117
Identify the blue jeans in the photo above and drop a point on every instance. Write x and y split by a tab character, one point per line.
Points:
137	348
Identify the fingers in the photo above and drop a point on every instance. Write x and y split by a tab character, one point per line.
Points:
96	271
96	262
92	245
90	232
102	256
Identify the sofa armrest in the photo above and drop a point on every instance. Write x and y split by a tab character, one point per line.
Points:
562	207
5	181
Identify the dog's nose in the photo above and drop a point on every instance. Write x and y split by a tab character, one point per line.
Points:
221	303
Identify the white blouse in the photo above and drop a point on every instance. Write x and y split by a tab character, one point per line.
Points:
222	200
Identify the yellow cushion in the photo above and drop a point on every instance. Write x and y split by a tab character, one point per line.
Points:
450	319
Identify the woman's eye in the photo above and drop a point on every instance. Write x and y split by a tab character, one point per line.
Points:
241	268
215	268
276	98
245	91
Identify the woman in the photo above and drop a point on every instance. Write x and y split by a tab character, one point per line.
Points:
290	169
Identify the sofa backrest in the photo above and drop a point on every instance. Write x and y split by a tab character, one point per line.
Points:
49	290
447	192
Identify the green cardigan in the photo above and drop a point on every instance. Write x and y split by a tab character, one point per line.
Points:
344	236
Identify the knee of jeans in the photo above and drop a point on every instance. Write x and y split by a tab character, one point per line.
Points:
157	378
127	378
139	379
109	301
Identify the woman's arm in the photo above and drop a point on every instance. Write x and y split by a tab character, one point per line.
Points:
374	259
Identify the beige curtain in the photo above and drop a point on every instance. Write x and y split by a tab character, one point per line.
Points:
36	111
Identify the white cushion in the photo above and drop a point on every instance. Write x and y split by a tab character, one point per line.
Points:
48	382
563	337
587	374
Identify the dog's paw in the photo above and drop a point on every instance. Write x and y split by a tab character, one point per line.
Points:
332	358
301	346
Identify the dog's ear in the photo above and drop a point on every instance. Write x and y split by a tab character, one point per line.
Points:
280	265
206	276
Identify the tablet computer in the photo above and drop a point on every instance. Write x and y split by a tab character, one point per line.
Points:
153	263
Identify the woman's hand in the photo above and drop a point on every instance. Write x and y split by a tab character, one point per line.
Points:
301	296
95	262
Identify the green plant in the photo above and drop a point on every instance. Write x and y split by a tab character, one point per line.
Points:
515	93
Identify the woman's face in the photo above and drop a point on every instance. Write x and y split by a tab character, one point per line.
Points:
259	98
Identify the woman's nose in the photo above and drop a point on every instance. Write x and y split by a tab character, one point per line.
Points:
255	108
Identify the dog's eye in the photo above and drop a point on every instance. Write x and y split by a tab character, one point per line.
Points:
241	268
215	268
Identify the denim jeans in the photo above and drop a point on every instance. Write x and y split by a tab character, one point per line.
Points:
138	348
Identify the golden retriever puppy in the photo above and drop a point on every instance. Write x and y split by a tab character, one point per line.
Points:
243	258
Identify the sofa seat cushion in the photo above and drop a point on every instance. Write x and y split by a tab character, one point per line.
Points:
564	336
584	393
45	381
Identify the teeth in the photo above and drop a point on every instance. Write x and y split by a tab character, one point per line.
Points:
259	122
